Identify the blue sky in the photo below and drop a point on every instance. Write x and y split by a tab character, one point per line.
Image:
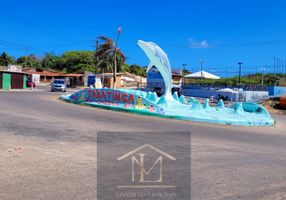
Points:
187	30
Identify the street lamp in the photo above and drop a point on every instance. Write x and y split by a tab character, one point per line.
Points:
239	73
184	70
202	61
262	75
119	29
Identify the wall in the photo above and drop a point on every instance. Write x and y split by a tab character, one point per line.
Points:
36	78
251	96
254	96
0	80
199	93
276	91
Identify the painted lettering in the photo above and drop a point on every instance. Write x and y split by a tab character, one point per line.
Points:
98	94
131	99
103	95
108	95
124	98
117	96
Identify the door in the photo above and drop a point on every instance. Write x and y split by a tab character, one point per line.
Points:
6	81
17	81
1	80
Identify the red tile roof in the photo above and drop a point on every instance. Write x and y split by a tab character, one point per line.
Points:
45	73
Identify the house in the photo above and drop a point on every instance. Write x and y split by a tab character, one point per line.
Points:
12	80
123	80
45	76
154	78
11	77
74	80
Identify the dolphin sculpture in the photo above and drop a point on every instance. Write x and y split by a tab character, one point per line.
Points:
248	114
159	59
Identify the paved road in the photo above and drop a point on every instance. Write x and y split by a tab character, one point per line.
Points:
48	151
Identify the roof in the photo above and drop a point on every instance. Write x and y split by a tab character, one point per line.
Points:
45	73
202	74
73	75
174	74
109	74
4	71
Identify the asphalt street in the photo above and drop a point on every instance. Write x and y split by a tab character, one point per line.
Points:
48	151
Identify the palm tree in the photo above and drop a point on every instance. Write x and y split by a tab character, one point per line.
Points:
5	59
107	55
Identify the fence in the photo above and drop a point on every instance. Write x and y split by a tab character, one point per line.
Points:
245	87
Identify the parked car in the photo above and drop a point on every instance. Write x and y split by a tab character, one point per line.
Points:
30	83
58	85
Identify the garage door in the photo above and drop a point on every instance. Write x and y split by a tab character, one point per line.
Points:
17	81
0	80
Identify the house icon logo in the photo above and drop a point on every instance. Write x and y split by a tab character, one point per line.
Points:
143	176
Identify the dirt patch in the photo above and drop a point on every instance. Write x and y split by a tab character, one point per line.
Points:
273	106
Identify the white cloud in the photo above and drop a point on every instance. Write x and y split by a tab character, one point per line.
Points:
198	44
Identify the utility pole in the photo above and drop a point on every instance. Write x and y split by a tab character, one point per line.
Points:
239	73
274	65
102	73
284	72
115	61
184	70
262	75
26	56
202	70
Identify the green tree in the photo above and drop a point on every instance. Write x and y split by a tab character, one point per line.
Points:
29	61
137	70
5	59
69	62
76	61
49	61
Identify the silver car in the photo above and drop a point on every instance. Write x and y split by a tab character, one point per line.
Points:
58	85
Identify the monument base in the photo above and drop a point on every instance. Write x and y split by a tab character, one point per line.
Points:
147	103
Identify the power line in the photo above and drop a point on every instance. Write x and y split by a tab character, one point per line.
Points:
68	44
28	23
8	43
19	46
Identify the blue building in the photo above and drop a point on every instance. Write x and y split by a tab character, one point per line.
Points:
154	79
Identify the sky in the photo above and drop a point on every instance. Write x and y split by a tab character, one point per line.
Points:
221	33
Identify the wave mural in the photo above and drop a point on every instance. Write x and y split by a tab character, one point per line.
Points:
148	103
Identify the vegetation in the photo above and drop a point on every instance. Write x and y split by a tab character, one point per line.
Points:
5	59
31	60
136	69
107	55
98	61
253	79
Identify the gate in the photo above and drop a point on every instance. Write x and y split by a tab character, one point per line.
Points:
17	81
1	80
